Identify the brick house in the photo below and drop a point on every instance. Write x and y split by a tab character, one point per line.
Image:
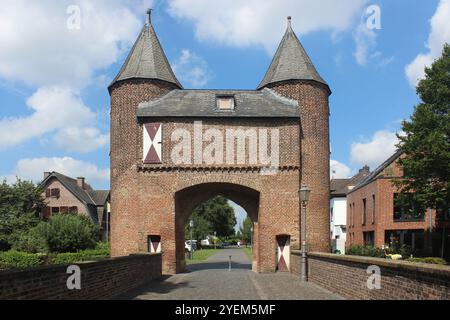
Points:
67	195
374	217
153	194
338	207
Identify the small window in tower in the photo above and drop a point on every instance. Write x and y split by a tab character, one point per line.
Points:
225	103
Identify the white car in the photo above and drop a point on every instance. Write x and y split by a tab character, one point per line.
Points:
187	245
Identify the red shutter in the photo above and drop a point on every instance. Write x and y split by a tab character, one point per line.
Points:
47	193
152	143
46	213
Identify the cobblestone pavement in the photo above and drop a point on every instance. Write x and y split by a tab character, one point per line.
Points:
211	280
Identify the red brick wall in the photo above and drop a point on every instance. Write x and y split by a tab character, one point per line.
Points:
384	192
347	276
144	198
312	98
99	280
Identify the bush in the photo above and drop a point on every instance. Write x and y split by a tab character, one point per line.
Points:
369	251
65	233
431	260
14	259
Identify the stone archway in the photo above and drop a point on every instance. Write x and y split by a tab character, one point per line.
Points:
186	200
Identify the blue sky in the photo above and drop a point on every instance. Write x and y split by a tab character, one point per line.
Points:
55	73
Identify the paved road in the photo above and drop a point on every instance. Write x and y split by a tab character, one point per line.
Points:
211	280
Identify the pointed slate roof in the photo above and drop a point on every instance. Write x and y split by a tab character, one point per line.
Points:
291	62
147	59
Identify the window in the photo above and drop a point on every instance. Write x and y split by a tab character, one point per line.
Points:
369	238
73	210
225	103
353	215
407	209
54	193
443	214
373	209
64	210
55	210
364	217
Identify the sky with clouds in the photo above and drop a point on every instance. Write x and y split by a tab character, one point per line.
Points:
54	105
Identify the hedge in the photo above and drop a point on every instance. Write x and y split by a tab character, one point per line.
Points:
19	260
431	260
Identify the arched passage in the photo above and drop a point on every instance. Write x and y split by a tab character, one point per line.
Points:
186	200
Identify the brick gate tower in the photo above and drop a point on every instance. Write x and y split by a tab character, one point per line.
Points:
173	149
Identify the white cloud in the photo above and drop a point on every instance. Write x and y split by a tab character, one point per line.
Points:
38	49
55	109
253	22
192	69
81	139
375	151
439	35
339	170
33	169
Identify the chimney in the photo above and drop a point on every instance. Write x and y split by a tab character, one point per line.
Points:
46	174
365	169
80	182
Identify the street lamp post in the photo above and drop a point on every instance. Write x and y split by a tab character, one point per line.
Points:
304	198
215	240
191	226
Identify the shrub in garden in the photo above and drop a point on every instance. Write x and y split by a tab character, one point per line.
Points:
431	260
14	259
66	233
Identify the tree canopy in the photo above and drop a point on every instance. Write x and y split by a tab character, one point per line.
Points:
425	141
214	215
20	205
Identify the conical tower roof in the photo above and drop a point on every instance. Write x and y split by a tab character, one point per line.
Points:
147	59
291	62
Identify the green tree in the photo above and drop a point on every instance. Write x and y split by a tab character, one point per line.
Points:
246	229
20	205
214	215
426	141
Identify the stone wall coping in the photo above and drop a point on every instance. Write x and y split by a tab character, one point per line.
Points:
11	272
434	269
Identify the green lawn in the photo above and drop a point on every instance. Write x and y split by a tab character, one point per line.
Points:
248	252
201	255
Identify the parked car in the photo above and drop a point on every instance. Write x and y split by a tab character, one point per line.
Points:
187	245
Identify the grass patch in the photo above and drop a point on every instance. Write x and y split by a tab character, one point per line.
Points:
248	252
201	255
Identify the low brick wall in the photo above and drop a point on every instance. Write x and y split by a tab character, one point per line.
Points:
347	276
99	280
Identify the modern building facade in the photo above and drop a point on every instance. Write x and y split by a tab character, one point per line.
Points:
376	219
168	154
64	195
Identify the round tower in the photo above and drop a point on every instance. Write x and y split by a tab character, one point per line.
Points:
146	75
293	75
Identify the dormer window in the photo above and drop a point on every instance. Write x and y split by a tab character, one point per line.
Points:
225	103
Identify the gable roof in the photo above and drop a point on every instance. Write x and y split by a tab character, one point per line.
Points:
203	103
147	59
291	62
88	197
375	174
340	187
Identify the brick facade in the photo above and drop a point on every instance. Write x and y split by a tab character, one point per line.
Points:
380	214
65	199
99	280
157	199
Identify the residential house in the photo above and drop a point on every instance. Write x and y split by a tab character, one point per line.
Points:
338	208
67	195
376	218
